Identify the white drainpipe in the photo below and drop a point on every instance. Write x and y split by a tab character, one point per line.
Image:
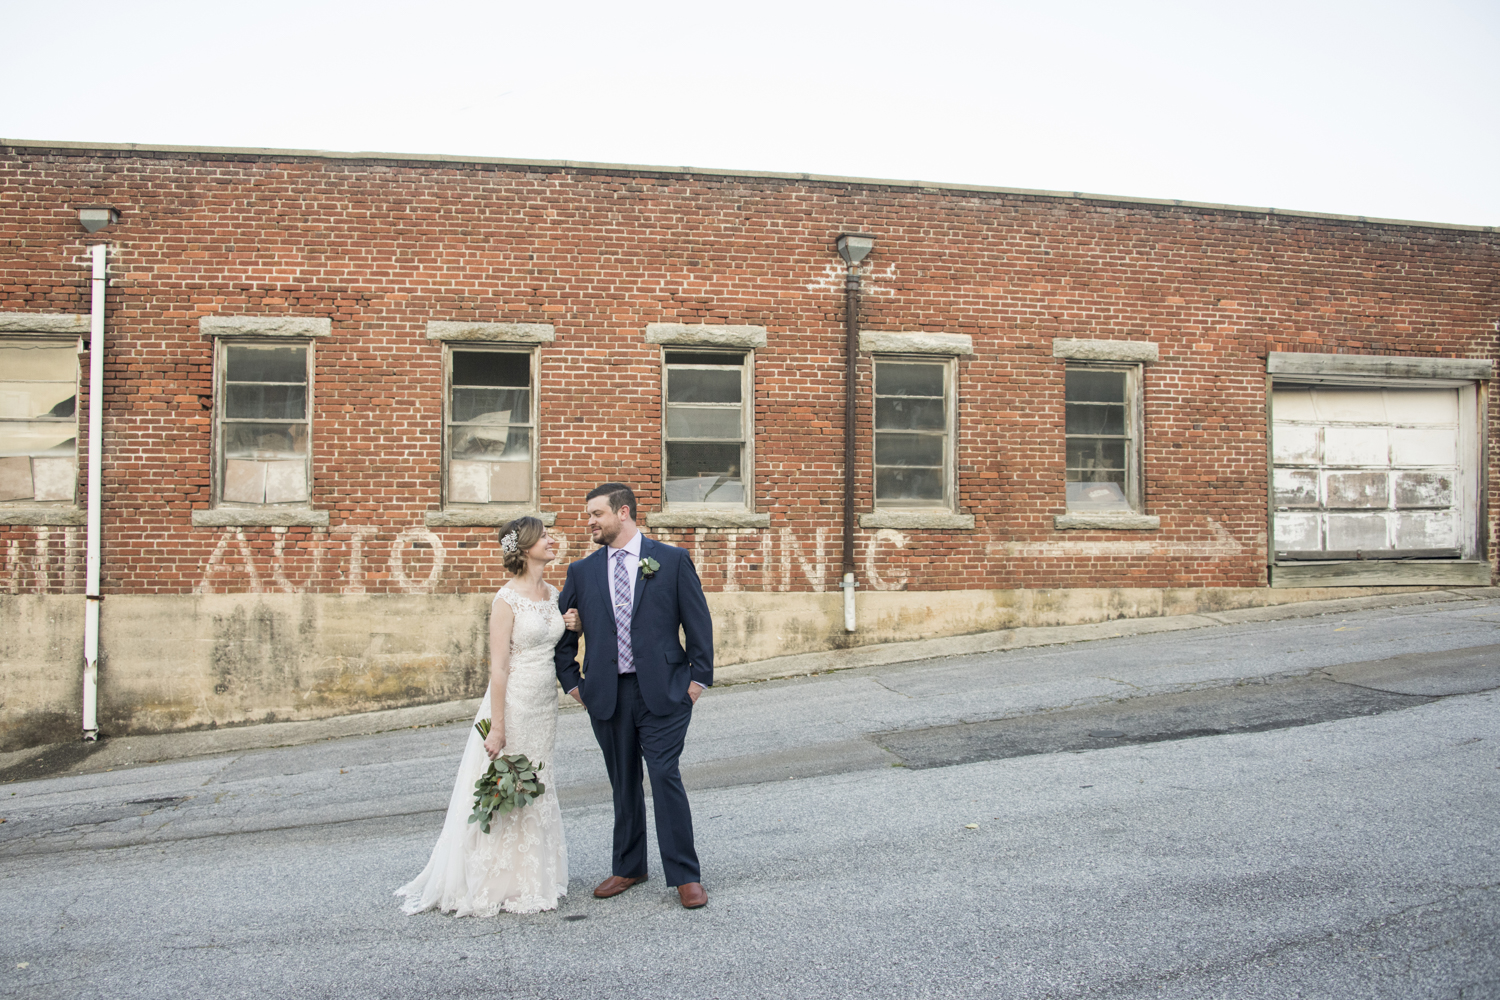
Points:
96	455
848	585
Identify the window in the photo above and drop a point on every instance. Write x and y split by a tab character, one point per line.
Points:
706	425
264	423
490	426
38	420
1103	439
913	433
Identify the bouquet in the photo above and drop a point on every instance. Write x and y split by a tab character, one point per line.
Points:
510	783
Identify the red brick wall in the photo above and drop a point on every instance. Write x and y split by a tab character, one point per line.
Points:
382	247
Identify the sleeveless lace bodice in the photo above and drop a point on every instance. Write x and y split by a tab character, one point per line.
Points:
521	865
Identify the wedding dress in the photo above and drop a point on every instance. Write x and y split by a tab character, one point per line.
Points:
521	865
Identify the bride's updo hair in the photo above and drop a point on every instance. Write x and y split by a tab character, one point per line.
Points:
516	539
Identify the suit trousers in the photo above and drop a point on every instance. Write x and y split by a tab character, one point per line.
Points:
626	737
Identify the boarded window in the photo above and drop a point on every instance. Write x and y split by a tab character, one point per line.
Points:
264	423
913	431
490	433
38	421
1103	458
1367	472
705	422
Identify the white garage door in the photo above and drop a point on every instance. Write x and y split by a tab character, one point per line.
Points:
1366	473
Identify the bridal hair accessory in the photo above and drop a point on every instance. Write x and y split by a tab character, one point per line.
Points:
508	542
510	783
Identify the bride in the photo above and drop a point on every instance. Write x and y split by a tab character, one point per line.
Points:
521	865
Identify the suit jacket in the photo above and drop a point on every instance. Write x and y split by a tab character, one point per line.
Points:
669	599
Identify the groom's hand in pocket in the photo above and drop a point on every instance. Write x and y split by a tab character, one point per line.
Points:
694	690
576	696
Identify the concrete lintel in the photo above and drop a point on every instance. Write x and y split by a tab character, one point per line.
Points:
883	342
484	517
917	519
265	326
40	515
61	324
1375	366
493	333
260	517
705	335
1104	350
1108	521
709	519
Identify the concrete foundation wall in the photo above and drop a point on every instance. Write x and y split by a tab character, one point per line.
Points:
174	663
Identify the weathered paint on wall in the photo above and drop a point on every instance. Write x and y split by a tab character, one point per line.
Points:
174	662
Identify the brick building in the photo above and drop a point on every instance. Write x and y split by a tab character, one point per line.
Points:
328	377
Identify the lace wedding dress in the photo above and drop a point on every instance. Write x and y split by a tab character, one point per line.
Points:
521	865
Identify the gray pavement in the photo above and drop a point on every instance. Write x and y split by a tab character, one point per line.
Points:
1352	857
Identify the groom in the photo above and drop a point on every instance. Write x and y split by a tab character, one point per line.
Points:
638	684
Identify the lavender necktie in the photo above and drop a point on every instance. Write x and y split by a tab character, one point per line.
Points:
622	613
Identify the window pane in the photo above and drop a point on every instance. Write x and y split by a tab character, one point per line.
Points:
34	362
1095	386
47	437
703	358
265	363
894	379
703	472
1087	456
1099	494
908	484
1095	418
491	406
700	385
265	441
25	400
909	449
716	422
900	413
492	443
266	402
491	368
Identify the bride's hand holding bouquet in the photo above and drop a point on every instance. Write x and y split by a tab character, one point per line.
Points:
494	740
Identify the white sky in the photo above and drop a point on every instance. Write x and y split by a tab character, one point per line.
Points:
1364	108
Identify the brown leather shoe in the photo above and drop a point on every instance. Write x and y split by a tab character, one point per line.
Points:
692	895
616	884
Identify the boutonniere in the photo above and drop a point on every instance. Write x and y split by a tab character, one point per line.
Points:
649	567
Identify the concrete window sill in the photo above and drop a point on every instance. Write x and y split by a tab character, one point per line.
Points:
42	515
916	519
708	519
484	517
1108	521
260	517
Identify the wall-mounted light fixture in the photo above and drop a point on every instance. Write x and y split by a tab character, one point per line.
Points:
854	247
95	217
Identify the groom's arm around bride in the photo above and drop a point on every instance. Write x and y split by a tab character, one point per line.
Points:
637	681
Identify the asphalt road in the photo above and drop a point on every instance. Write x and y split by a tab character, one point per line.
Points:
1270	822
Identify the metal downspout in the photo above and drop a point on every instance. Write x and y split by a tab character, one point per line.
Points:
92	597
851	357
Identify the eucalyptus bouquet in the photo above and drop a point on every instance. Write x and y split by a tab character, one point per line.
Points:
510	783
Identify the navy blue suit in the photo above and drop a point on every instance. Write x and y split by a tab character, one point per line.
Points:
644	714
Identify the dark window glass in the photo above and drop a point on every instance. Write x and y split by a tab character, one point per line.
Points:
1098	440
909	467
491	368
704	358
266	363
